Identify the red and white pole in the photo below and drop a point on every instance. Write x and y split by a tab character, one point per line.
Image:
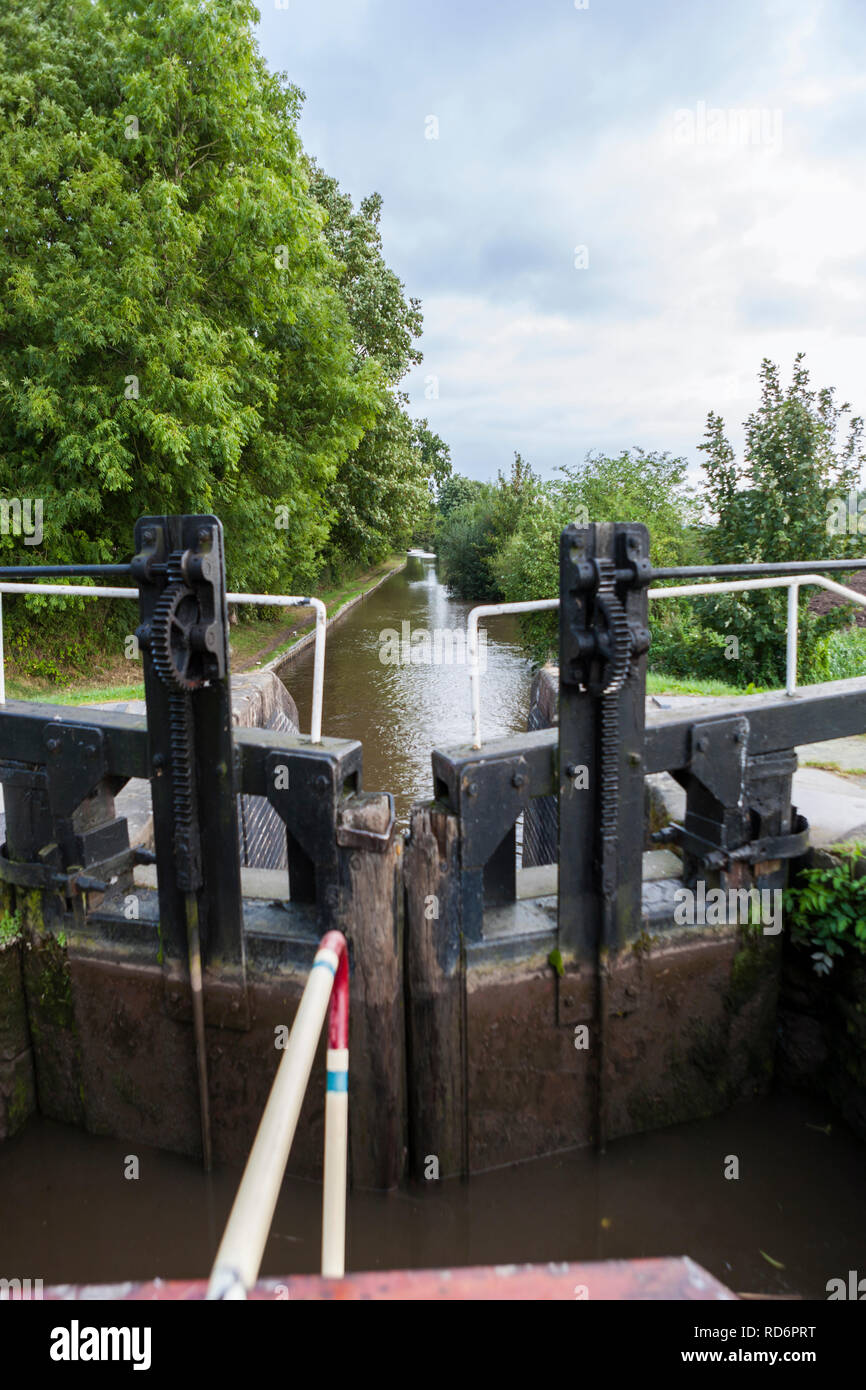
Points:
240	1253
333	951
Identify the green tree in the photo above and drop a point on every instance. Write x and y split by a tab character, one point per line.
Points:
801	456
472	533
436	466
172	327
382	490
457	491
631	486
382	496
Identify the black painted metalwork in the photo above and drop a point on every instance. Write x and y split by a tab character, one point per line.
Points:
195	823
604	637
61	768
755	570
66	572
488	789
180	568
735	758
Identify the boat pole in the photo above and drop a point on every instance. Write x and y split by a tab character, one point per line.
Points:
239	1256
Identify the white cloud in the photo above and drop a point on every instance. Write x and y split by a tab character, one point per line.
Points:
556	129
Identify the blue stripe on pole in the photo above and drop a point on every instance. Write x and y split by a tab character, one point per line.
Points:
327	964
338	1081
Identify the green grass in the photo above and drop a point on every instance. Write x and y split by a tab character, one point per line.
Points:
846	653
838	769
252	642
659	684
248	638
21	689
251	638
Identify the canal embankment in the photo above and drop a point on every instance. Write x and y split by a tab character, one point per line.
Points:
299	634
256	643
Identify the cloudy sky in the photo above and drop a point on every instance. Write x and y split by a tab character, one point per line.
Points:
624	208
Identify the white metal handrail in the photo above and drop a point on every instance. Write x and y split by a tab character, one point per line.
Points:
490	610
260	600
239	1257
792	583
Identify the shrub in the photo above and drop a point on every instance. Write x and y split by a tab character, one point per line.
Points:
827	908
846	654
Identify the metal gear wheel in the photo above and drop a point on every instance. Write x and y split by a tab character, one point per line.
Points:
177	613
612	670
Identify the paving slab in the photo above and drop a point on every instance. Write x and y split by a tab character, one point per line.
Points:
848	755
834	806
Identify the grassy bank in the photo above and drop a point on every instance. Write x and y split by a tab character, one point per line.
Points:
252	645
253	642
659	684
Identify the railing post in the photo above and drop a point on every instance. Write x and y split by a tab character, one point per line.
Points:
791	653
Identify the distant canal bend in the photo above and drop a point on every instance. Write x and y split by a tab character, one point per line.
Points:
400	709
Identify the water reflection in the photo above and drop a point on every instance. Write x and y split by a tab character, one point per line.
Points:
400	712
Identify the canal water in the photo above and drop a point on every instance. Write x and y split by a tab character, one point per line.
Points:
401	709
69	1215
794	1219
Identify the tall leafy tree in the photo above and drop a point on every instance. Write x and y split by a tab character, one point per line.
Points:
173	334
382	491
456	491
472	533
803	453
632	486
